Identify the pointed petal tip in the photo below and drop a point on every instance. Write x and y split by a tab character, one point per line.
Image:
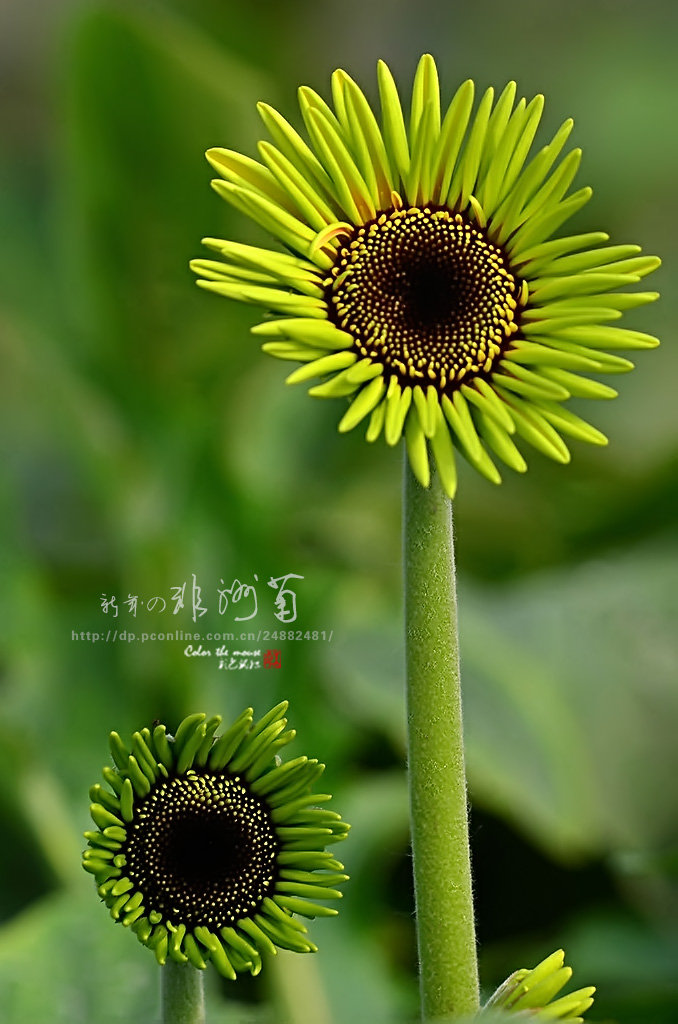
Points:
219	185
427	60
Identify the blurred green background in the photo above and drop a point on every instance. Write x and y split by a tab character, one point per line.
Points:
145	439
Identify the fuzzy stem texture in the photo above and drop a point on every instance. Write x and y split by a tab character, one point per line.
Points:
181	998
439	813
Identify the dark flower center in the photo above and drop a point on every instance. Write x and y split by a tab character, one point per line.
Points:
425	293
202	850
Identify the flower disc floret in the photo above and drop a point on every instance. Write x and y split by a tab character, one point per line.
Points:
423	279
209	847
203	848
425	296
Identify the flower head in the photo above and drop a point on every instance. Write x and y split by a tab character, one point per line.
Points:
207	847
421	281
531	994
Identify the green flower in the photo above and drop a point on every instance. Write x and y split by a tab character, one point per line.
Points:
421	281
531	994
207	847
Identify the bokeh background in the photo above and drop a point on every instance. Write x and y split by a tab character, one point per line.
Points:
146	439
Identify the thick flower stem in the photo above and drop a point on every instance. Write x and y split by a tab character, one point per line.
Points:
181	997
442	868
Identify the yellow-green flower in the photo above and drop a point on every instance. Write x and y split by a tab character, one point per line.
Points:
531	995
421	280
208	847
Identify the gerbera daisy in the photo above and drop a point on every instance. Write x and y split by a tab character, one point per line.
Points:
532	994
209	847
420	280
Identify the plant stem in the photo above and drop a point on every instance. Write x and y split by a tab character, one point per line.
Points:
181	994
297	989
440	844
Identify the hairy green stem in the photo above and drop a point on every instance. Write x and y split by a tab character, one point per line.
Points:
440	844
181	994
